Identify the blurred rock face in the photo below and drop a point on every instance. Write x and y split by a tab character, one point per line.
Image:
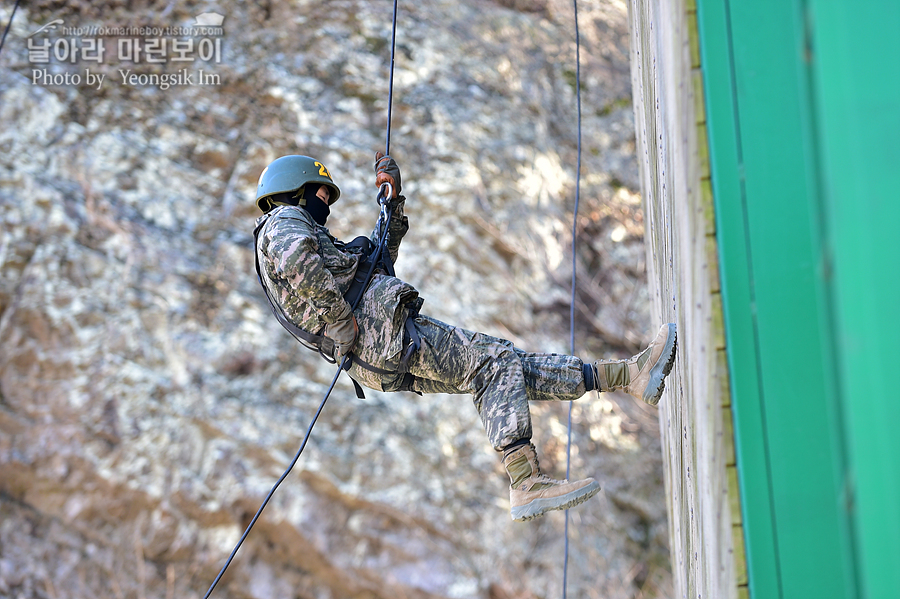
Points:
149	399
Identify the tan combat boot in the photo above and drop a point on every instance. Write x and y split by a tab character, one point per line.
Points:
643	375
532	493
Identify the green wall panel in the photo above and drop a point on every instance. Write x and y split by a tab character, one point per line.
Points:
856	74
790	461
726	165
773	107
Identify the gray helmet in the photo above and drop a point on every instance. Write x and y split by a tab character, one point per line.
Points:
290	173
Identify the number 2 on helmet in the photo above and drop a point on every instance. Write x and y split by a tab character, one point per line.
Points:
322	170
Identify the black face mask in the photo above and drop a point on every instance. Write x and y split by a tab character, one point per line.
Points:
318	209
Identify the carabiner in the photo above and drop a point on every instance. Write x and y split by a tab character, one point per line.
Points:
382	197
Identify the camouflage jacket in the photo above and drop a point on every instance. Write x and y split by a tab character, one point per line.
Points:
307	271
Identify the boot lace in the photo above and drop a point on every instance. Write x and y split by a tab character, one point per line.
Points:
541	477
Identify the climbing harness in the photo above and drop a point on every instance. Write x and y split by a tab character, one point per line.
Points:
372	257
572	304
385	193
8	25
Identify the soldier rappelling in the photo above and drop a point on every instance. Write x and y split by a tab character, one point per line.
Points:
313	281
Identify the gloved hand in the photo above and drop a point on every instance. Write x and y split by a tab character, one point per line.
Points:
386	170
343	332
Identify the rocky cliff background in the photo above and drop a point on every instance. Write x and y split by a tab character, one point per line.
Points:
149	399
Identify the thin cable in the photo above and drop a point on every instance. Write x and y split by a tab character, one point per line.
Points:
387	142
283	476
385	222
386	216
574	256
8	25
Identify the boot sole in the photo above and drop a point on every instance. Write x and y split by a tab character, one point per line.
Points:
657	383
539	507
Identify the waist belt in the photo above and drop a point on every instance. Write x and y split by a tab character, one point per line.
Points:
411	343
324	345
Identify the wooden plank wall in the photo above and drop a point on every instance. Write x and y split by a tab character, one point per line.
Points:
705	532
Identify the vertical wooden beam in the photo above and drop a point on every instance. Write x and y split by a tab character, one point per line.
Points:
695	417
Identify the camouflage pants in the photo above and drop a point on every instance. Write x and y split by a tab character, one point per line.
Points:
501	378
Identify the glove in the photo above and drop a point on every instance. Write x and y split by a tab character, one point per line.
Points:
343	332
387	171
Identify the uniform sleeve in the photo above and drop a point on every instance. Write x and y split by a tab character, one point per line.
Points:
397	228
292	253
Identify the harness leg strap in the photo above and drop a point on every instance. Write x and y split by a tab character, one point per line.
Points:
356	386
414	341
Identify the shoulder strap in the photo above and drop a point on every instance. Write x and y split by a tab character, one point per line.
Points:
319	343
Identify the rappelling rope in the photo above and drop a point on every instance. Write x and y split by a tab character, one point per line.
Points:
385	194
387	135
383	221
572	305
8	25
